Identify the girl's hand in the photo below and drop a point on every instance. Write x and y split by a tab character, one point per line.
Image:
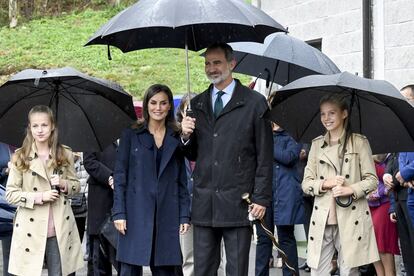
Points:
120	225
393	217
342	191
184	228
50	196
332	182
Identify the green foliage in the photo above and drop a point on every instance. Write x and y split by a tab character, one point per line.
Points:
58	41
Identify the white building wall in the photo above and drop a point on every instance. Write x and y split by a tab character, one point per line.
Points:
339	24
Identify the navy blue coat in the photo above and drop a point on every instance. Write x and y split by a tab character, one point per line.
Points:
287	192
152	205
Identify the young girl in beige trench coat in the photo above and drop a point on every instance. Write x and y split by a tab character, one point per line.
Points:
348	229
44	224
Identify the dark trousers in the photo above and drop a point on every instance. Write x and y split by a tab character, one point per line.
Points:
207	246
406	233
287	242
264	245
100	264
5	246
135	270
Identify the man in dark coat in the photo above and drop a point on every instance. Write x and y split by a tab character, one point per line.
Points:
231	143
100	200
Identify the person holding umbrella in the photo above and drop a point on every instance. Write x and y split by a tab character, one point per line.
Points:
41	178
339	164
231	142
151	201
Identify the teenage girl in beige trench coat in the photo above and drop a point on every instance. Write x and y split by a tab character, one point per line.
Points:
348	229
44	222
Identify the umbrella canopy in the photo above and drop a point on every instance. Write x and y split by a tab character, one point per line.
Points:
90	112
175	23
281	59
377	109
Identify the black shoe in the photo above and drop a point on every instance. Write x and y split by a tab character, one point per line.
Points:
307	269
304	265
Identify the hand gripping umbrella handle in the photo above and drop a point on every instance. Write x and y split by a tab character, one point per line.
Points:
246	197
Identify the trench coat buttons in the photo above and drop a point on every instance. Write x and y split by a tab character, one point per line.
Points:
70	247
60	172
359	238
67	218
313	222
346	160
29	235
367	212
35	189
27	249
73	188
321	161
30	158
215	135
17	225
353	208
23	199
321	177
31	219
70	232
311	238
64	202
356	222
316	207
347	176
33	173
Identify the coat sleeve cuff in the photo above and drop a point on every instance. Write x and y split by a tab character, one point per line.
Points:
118	216
184	220
358	191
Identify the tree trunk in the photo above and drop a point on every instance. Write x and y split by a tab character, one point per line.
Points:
13	12
44	6
114	2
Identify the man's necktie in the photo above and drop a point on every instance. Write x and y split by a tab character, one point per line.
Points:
218	104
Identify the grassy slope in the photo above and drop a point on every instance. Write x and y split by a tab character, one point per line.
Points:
58	42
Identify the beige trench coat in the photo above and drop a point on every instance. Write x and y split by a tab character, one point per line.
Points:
356	232
31	221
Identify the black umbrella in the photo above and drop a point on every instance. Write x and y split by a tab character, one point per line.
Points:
378	110
189	24
90	112
281	59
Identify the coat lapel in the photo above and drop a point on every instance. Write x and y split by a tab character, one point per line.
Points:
204	105
37	167
169	147
237	100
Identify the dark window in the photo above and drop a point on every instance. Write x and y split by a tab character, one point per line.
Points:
316	43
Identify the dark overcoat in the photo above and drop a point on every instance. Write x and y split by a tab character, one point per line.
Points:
100	166
233	155
287	191
152	204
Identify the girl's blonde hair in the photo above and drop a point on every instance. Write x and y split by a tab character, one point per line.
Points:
57	153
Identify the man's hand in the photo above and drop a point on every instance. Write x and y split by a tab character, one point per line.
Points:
387	178
258	211
120	225
187	127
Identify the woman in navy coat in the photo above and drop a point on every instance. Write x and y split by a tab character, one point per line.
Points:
151	201
287	193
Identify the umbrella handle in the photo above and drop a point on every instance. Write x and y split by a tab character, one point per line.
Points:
342	204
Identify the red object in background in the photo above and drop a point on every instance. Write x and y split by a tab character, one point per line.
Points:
252	84
138	109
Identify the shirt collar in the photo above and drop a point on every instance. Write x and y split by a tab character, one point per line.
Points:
326	139
228	90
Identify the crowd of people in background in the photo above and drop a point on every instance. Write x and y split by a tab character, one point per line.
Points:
168	195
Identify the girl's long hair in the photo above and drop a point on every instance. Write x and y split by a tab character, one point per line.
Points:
57	153
151	92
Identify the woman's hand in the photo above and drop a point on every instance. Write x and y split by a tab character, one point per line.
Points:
332	182
339	191
50	196
184	228
120	225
